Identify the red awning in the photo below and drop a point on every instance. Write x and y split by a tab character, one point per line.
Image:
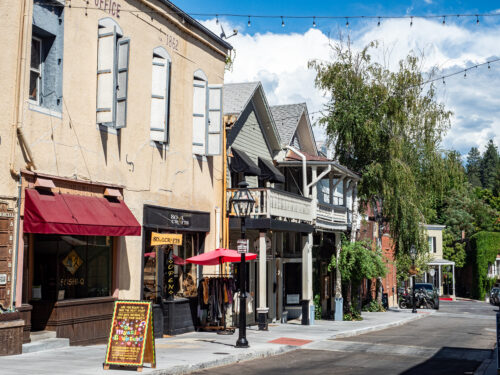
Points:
76	214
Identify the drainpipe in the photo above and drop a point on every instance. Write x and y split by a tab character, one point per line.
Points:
304	170
16	123
16	252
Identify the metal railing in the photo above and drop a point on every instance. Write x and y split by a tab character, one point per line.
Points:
277	204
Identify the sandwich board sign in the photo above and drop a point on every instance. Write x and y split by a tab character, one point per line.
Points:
131	336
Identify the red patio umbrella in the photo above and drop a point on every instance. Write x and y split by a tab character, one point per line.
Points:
219	256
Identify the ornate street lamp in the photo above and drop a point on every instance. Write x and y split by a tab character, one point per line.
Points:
413	255
242	202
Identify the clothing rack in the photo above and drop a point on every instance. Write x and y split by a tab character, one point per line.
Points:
216	303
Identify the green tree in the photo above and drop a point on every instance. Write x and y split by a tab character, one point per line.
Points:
388	127
357	261
489	166
453	250
474	167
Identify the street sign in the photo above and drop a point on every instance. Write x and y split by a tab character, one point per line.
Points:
243	246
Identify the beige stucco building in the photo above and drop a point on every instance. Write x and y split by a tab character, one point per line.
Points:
104	99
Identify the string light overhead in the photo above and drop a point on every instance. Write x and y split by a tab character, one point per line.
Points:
314	18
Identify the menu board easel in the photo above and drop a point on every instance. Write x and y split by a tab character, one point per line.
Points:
131	337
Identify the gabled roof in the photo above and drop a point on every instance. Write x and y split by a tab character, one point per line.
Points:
237	95
236	98
287	119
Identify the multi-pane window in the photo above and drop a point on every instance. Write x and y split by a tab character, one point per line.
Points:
35	70
112	75
207	116
160	95
432	244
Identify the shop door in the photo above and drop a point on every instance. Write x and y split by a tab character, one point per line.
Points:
292	285
271	288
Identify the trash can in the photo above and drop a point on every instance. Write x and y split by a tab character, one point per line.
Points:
311	314
284	317
339	309
305	312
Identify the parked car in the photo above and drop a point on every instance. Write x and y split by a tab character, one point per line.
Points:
494	296
431	291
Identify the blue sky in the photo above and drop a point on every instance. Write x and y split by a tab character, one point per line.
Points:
278	56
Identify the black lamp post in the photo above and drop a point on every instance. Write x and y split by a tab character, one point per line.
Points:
413	254
242	202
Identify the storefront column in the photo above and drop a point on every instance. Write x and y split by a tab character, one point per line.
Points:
20	264
439	278
453	270
262	310
307	293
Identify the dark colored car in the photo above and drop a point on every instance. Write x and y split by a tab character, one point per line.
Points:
494	297
431	291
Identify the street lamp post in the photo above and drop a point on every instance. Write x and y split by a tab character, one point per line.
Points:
413	254
242	202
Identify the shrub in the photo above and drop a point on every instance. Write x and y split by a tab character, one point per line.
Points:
374	306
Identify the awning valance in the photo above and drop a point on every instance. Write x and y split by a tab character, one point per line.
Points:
241	163
269	172
49	213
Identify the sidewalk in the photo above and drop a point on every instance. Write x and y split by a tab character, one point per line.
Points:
198	350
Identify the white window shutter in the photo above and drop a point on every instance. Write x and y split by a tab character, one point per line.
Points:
199	116
214	140
158	99
106	61
122	82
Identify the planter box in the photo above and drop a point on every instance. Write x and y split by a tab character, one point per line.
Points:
11	334
25	311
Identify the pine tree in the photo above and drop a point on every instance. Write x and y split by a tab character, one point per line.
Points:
474	167
489	166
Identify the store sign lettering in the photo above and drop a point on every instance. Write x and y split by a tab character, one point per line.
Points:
73	281
165	239
170	278
110	6
180	220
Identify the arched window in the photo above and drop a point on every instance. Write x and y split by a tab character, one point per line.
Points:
160	95
112	74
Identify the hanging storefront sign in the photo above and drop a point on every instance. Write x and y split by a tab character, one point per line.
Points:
170	278
131	339
165	239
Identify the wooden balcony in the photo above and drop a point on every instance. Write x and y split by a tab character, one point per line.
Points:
278	204
331	216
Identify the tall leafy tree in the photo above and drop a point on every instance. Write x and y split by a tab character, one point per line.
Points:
388	127
489	166
474	167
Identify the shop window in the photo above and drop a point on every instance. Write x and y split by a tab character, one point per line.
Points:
112	75
160	95
185	274
69	267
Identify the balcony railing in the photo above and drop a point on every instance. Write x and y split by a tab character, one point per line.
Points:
278	204
331	213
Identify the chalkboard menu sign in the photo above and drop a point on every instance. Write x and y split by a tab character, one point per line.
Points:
131	339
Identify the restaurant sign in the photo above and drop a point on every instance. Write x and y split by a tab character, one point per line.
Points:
131	338
165	239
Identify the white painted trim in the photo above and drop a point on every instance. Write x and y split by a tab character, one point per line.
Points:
46	111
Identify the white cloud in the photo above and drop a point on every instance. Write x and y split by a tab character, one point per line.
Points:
280	62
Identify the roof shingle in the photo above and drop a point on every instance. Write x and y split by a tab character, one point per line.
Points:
287	118
237	95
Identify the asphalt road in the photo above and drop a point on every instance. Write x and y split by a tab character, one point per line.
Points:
454	340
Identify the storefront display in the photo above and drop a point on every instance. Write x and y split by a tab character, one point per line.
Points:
168	280
71	246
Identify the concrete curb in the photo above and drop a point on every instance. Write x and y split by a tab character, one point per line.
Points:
228	360
379	327
279	349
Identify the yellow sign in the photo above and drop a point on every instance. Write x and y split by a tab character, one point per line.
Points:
165	239
72	262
